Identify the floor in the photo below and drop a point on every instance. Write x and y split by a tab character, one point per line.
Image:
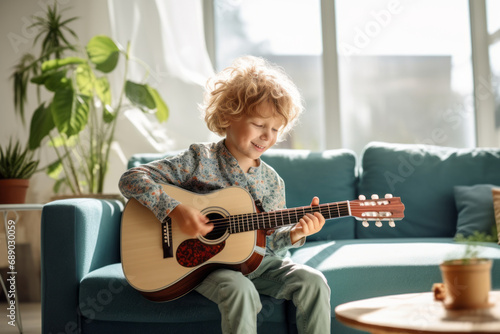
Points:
31	317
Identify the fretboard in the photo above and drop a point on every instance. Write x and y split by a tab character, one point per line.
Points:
274	219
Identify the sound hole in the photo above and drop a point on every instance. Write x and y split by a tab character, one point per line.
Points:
219	228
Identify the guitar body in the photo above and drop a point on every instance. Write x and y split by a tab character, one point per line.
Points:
162	270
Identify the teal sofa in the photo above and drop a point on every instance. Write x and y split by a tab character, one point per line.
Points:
445	191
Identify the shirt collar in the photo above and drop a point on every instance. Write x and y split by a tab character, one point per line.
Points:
225	154
230	159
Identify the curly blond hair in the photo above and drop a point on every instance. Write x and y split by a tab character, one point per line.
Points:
241	88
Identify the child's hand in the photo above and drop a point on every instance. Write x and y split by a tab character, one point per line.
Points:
308	225
191	221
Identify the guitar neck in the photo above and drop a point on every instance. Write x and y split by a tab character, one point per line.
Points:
269	220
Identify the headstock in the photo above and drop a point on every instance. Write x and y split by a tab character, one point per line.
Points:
377	209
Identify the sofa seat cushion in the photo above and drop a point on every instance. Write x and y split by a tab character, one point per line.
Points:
106	295
358	269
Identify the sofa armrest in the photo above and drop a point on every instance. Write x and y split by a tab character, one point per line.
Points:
77	237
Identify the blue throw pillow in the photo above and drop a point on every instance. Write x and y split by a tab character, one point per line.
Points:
475	209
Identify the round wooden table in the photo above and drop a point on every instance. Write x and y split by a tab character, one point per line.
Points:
418	313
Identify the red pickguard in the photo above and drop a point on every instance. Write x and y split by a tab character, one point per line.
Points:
193	252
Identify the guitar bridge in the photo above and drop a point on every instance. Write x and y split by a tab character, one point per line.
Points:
166	228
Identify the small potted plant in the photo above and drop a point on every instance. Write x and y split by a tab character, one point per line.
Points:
467	279
17	165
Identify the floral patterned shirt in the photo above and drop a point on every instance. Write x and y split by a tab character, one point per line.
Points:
204	168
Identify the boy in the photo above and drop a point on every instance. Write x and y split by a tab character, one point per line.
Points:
251	104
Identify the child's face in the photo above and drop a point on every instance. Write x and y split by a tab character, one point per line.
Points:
251	136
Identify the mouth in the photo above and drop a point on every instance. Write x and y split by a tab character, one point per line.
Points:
260	148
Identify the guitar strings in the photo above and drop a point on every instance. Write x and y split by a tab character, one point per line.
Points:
253	221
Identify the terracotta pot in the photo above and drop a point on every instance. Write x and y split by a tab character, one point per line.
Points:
467	286
13	191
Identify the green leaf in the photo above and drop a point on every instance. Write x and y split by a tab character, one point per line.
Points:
57	80
17	162
28	169
139	95
53	64
162	111
103	52
41	125
103	90
55	169
25	68
108	115
85	79
58	184
70	111
40	79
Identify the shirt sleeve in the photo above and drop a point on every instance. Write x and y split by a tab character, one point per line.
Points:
279	242
144	183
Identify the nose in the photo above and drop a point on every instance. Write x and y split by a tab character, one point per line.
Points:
266	134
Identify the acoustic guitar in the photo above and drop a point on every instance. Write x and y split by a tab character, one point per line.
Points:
163	263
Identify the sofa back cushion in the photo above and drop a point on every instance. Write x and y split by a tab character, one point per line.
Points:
424	177
143	158
330	175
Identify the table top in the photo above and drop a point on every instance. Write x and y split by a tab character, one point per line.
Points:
21	207
418	313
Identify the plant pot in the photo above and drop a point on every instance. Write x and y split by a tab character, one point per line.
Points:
13	191
466	285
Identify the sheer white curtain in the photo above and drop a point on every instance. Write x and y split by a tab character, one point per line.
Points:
168	36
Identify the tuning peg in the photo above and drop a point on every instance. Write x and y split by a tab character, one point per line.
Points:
362	197
365	223
392	223
374	196
378	223
388	196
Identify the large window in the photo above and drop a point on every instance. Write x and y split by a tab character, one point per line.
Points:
405	72
286	32
405	69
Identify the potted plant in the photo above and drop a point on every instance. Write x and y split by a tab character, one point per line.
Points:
17	165
79	119
467	279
